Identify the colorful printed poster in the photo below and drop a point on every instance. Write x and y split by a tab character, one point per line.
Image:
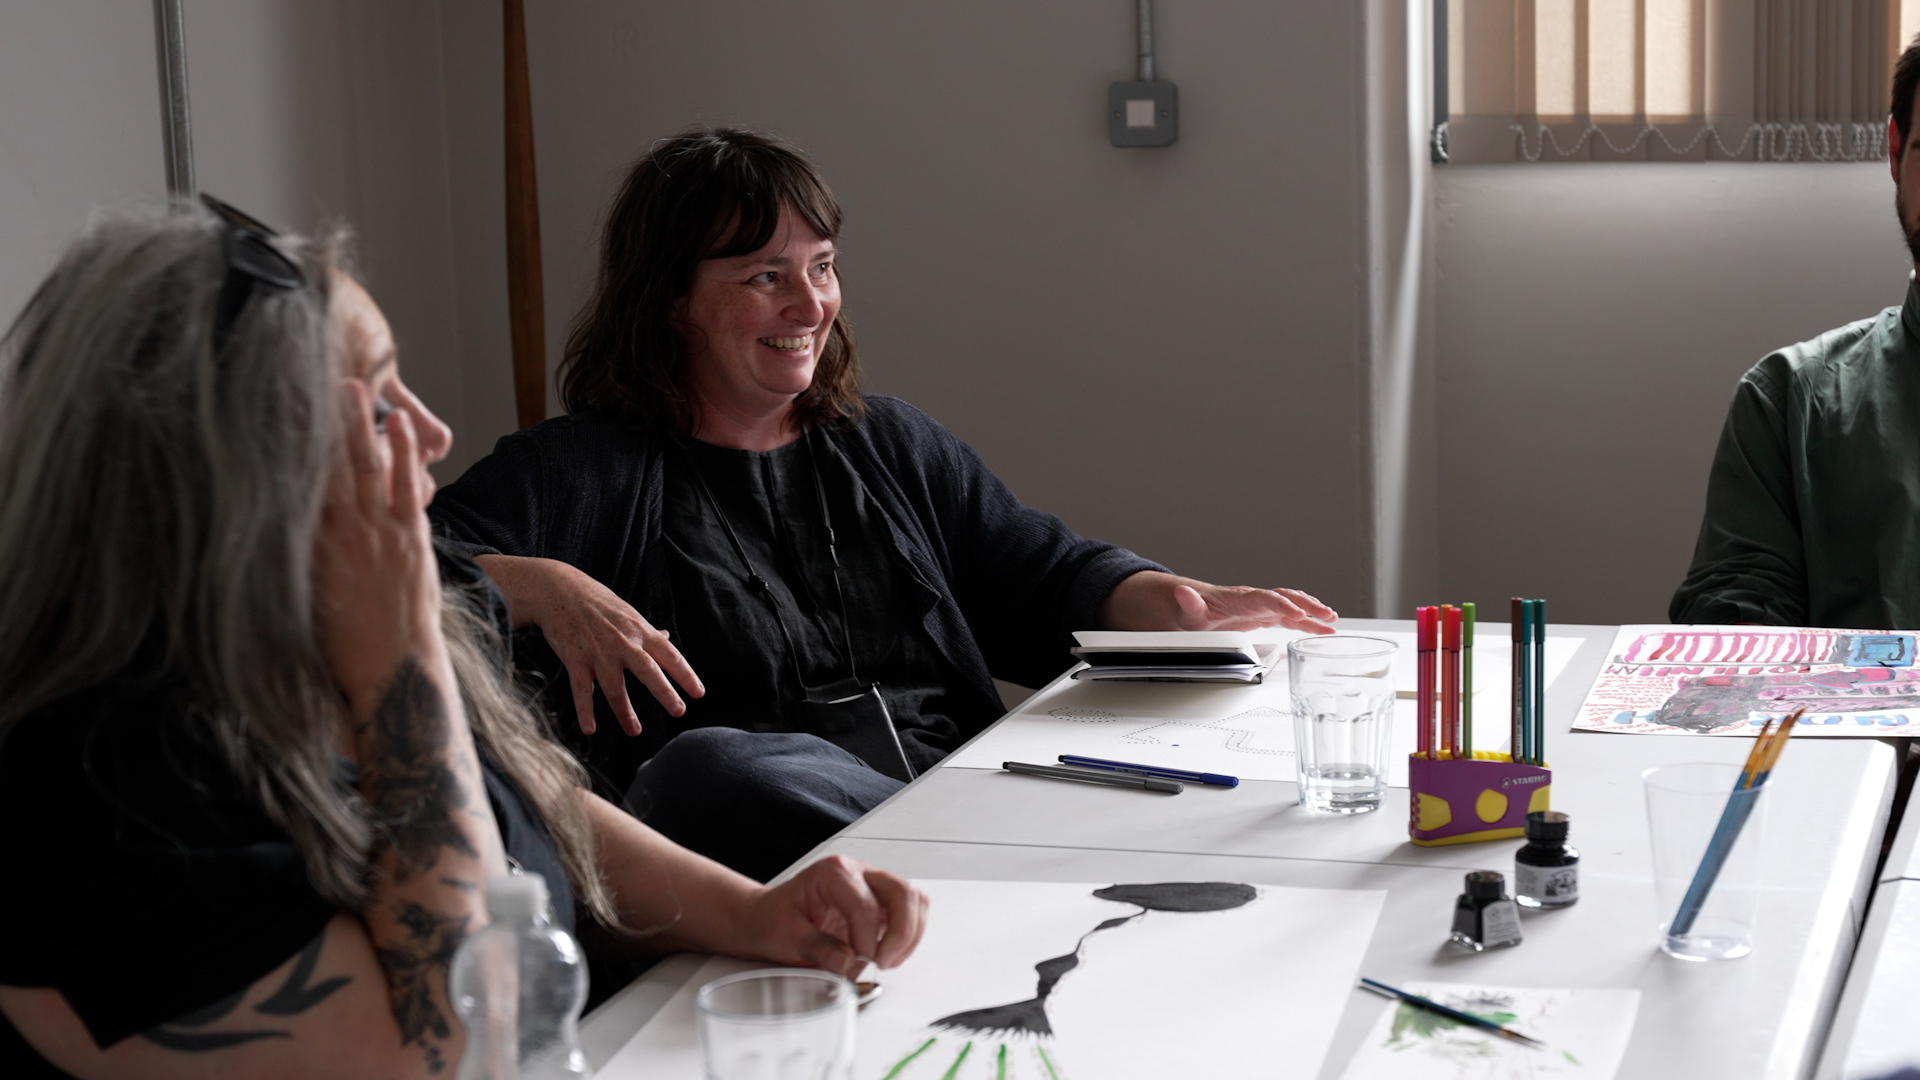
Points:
1730	680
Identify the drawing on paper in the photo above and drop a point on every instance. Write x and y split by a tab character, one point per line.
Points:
1585	1033
1446	1038
1026	1022
1730	680
1083	716
1234	733
1239	740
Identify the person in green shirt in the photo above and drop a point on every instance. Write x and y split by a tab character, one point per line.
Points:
1813	504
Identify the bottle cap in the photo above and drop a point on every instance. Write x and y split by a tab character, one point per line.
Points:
516	896
1547	825
1486	885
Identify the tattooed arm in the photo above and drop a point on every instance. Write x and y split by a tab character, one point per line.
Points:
438	845
368	997
323	1012
378	587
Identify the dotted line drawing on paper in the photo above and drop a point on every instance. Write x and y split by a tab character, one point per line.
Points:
1238	739
1083	716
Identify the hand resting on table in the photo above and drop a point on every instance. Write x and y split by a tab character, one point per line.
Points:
1151	600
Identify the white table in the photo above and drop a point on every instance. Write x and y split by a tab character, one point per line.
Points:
1771	1010
1872	1034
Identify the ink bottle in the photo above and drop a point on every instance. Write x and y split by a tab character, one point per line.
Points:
1484	918
1546	873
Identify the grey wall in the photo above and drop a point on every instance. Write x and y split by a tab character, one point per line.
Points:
303	111
1160	346
314	111
1592	322
79	126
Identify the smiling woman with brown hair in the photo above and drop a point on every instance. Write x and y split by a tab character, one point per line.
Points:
846	576
256	764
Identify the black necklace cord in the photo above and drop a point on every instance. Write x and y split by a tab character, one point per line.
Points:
833	556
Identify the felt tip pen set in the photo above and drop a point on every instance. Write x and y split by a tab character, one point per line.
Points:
1461	795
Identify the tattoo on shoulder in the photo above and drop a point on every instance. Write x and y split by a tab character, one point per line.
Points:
414	968
299	993
413	791
296	994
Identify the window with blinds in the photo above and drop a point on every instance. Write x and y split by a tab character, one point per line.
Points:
1672	80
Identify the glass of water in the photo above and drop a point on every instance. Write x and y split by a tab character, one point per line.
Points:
777	1024
1342	714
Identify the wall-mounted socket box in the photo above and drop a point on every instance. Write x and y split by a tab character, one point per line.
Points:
1143	113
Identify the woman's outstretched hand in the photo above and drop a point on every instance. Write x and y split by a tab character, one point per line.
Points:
597	635
1151	600
836	915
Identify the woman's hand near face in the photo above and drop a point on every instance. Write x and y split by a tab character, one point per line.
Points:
377	597
375	582
1151	600
597	635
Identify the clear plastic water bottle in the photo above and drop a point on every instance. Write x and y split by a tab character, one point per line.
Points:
518	986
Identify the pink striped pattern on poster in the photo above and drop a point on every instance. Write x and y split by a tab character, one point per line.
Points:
1730	647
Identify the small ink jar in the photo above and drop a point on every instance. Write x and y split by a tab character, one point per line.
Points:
1546	873
1484	918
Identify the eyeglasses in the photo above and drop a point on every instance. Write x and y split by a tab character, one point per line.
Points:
252	261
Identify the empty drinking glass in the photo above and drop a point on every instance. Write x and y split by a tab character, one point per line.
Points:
777	1024
1342	714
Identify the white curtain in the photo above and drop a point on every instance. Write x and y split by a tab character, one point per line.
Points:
1751	80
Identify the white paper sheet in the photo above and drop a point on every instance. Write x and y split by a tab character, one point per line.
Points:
1730	680
1252	991
1586	1032
1243	731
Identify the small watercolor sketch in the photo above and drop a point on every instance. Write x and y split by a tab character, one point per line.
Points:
1586	1034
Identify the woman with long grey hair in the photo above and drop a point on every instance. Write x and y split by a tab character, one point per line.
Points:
256	762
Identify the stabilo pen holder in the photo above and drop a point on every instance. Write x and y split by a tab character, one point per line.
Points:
1466	800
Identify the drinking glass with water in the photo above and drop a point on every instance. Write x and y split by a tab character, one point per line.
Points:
1342	690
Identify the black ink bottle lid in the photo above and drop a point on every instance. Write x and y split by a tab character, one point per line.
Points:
1484	917
1546	873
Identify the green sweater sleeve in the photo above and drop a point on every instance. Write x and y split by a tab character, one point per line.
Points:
1749	565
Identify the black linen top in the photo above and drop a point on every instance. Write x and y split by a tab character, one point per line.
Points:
162	885
730	629
165	888
1012	583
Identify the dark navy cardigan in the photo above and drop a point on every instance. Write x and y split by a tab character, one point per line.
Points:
1013	582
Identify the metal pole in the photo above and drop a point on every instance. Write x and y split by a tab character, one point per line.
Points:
1146	40
1442	108
526	300
176	123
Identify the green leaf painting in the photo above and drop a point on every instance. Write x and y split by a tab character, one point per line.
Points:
1413	1026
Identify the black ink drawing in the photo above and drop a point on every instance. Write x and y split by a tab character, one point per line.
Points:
1029	1018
